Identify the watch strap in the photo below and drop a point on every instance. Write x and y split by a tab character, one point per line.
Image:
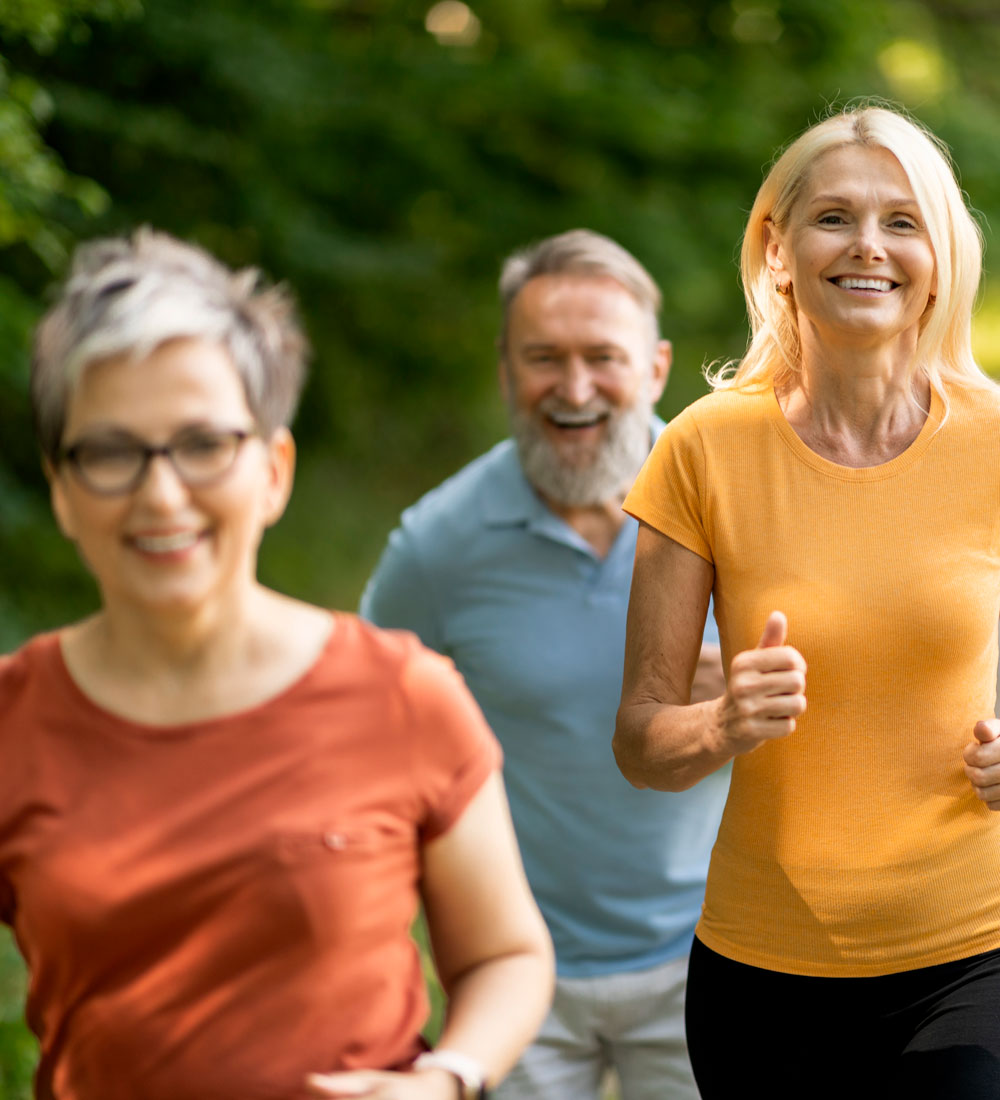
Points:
469	1074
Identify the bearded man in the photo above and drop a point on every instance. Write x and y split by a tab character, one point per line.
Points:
518	568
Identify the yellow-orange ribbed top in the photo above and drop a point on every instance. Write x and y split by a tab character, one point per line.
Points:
855	846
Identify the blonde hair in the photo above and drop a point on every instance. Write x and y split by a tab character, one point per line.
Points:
944	347
127	296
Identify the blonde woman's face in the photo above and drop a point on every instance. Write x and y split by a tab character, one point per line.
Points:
855	251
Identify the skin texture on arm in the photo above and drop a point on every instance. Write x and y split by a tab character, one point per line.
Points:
491	948
662	739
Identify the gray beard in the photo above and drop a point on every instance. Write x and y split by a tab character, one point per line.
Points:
593	480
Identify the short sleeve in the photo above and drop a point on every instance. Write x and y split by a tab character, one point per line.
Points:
398	594
453	749
669	492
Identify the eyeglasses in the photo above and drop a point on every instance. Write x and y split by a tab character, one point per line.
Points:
117	464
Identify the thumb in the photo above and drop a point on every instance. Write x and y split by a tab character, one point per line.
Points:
337	1084
775	631
987	730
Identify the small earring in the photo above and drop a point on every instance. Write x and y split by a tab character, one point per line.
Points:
784	289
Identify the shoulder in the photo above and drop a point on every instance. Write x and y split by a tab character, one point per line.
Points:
31	681
457	501
708	426
367	647
426	685
723	409
25	665
979	405
398	658
440	527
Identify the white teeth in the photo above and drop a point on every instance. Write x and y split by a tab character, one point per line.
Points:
568	420
164	544
849	283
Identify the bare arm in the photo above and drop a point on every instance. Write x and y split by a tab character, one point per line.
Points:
491	948
662	739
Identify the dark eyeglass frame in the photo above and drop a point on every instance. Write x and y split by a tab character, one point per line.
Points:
71	457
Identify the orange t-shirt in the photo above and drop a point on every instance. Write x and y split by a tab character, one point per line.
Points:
214	910
855	846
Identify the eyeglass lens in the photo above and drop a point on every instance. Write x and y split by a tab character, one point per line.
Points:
118	464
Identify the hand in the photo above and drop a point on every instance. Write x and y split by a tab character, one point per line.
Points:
982	762
709	679
766	691
427	1084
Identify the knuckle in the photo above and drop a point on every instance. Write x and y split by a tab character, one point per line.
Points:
746	707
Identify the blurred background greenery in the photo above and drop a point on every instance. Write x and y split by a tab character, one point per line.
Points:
382	156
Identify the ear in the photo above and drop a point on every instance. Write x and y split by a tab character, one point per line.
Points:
774	252
60	505
662	360
280	474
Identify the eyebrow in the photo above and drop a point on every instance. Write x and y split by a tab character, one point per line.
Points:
844	200
601	345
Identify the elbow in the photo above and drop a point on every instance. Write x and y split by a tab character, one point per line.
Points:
628	759
642	761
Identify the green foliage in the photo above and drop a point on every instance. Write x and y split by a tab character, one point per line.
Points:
18	1050
384	173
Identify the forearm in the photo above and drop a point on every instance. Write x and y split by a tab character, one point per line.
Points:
495	1008
670	747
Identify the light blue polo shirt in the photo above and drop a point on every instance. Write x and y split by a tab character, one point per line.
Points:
484	572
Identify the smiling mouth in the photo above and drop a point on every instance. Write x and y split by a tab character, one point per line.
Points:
575	421
851	282
165	544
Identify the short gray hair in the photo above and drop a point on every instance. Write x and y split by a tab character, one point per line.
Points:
578	252
128	296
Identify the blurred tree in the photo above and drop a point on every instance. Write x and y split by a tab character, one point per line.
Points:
383	159
36	195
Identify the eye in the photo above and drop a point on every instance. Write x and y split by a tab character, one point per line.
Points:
830	219
540	358
902	222
202	442
106	452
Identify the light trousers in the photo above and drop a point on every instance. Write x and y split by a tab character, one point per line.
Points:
631	1022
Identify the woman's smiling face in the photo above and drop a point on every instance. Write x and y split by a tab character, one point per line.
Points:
855	250
164	546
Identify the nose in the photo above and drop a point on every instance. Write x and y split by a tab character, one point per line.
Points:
869	243
577	383
161	488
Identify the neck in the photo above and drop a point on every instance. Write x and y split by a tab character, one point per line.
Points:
186	641
858	406
598	524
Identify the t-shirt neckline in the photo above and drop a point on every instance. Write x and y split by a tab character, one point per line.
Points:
880	472
110	719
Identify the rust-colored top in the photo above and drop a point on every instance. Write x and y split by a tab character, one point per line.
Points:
214	910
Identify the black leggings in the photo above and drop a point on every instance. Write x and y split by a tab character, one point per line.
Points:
927	1034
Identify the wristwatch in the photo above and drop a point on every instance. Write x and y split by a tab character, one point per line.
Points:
468	1073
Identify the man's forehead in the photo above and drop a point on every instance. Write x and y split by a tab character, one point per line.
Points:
575	301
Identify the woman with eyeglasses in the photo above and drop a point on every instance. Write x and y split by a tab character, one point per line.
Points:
220	807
